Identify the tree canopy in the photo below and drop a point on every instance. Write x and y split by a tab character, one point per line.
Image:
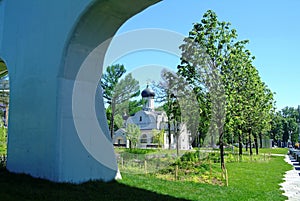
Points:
116	90
238	105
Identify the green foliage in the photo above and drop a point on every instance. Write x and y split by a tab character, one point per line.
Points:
117	91
158	137
110	79
130	107
118	119
204	56
3	140
190	156
140	151
192	166
235	103
119	122
179	103
132	133
284	125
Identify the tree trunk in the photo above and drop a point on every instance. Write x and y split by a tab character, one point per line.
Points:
169	135
250	142
177	145
221	148
260	141
240	144
112	121
176	133
256	143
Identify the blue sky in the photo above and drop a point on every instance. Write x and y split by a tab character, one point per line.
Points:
272	26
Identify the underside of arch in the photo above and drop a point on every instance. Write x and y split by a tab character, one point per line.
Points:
45	51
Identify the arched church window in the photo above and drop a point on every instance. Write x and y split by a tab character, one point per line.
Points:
144	138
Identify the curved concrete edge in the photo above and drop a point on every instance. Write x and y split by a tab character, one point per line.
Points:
291	184
44	51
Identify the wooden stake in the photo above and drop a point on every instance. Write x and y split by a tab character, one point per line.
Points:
145	166
176	172
226	174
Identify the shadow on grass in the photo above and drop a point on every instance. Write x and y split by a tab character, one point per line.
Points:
24	187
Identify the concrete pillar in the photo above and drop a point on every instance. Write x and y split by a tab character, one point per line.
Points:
54	51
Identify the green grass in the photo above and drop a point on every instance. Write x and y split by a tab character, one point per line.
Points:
247	181
23	187
274	150
260	151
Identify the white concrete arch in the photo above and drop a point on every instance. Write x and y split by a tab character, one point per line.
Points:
45	50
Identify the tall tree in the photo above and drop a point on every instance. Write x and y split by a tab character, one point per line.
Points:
132	133
130	107
116	90
284	126
290	126
218	65
205	54
180	104
164	93
276	127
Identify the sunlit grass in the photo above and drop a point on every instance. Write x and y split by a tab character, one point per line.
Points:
256	180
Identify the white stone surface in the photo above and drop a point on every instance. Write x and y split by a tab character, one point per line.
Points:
44	44
291	184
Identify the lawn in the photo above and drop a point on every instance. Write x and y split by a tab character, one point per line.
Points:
274	150
254	180
248	180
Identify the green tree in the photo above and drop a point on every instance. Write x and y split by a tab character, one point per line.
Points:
249	101
204	55
164	94
284	126
130	107
290	125
133	133
119	122
180	104
158	137
276	127
220	68
116	90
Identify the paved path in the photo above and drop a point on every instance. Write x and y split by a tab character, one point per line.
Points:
291	185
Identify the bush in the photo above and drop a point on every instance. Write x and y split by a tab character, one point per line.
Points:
3	139
215	157
140	151
190	156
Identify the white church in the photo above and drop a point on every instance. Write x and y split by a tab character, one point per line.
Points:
148	119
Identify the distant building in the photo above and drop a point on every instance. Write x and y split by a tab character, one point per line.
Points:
148	119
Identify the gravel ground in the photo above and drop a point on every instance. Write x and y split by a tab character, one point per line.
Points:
291	184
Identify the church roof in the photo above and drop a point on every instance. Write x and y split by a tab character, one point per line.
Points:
147	92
